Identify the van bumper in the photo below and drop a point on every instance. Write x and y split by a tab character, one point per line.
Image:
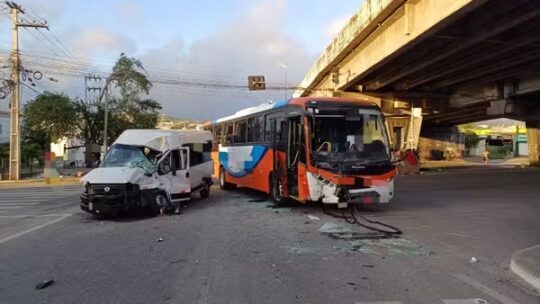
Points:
119	198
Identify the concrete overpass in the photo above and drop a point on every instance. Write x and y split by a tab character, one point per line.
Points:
459	61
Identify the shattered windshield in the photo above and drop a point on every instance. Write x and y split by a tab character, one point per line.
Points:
129	156
348	135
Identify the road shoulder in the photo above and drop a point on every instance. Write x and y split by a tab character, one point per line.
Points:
526	264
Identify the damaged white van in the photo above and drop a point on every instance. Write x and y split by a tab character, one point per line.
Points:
149	169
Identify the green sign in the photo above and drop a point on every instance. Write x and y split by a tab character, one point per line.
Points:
521	138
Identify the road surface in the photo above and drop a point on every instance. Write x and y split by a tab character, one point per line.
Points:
232	248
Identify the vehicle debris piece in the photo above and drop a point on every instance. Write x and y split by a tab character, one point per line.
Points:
313	218
44	284
473	260
257	200
159	239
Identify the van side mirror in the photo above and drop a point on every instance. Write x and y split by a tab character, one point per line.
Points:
164	168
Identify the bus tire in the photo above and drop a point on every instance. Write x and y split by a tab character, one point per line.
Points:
276	190
223	184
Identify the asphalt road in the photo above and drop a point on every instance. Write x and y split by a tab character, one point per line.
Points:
232	248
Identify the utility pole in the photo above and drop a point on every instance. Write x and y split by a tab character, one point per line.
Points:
92	84
106	120
14	136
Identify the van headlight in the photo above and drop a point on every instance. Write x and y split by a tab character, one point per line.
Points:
86	188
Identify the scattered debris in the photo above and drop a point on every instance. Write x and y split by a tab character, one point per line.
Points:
364	278
257	200
341	231
277	211
196	261
351	283
273	265
368	266
45	284
313	218
383	247
299	249
178	261
473	260
297	296
159	239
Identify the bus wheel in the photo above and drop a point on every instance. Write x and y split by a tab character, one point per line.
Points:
205	191
276	190
222	182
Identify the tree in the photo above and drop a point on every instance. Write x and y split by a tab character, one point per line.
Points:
127	111
49	117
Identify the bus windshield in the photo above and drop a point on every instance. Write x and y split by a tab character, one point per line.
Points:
355	136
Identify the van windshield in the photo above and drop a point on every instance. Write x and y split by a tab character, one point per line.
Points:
129	156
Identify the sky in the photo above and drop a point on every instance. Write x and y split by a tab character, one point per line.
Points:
203	41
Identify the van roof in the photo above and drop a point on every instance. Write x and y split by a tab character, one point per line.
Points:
162	140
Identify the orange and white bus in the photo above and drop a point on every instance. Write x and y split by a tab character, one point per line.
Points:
329	150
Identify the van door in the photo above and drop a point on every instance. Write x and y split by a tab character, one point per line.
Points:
200	165
181	186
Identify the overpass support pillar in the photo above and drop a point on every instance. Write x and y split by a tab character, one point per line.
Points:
533	141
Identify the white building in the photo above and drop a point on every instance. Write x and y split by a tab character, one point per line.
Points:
69	152
4	127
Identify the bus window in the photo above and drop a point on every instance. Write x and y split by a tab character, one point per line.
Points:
255	129
240	132
269	128
228	134
280	126
218	134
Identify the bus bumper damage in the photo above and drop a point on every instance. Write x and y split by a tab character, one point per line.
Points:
328	192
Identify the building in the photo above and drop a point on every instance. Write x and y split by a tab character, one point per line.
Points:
4	127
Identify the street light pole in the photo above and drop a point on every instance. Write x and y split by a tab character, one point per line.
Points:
105	119
284	66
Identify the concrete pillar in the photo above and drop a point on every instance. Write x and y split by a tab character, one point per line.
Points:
533	141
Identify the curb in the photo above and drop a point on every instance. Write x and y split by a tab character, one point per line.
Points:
38	183
525	263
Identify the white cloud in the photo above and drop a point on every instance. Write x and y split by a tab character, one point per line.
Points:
254	44
93	40
131	11
335	26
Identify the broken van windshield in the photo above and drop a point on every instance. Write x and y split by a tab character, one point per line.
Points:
129	156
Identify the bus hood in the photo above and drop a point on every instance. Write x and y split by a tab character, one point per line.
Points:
114	175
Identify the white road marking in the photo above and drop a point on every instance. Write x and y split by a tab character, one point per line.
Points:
16	235
18	204
35	215
465	301
10	207
380	302
490	292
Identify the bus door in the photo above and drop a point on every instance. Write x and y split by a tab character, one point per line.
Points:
295	155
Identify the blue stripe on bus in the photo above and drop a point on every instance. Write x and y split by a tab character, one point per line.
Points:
257	154
280	103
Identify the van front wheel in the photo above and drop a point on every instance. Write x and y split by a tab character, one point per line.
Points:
205	191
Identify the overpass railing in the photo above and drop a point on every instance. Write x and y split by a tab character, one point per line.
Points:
358	22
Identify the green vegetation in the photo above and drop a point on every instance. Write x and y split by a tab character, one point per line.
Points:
51	116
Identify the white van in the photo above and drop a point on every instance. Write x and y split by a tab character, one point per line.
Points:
149	169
